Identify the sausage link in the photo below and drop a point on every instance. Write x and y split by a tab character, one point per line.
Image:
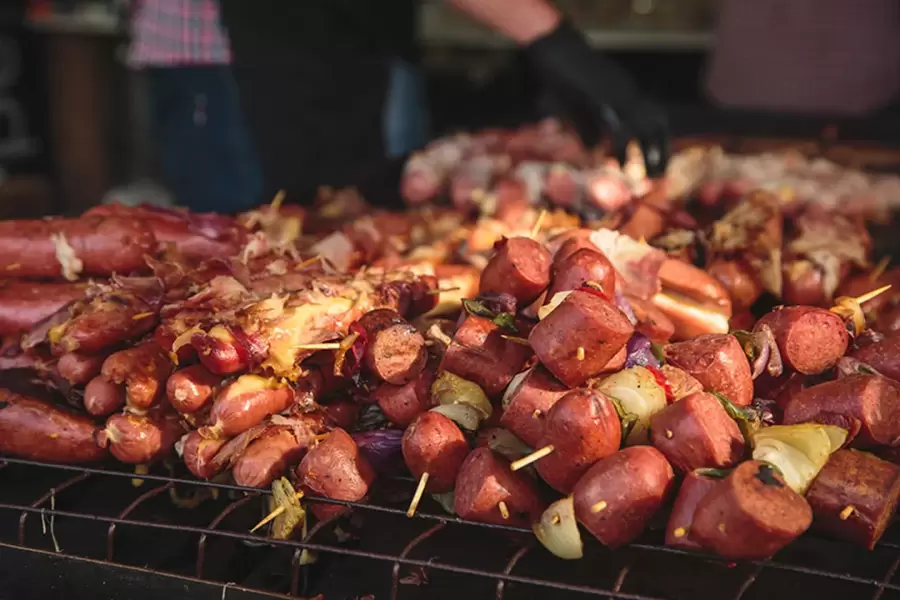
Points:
484	481
693	489
103	322
433	444
219	351
78	368
738	278
140	439
143	370
38	430
403	403
268	456
25	304
246	402
395	351
334	468
191	388
198	453
527	403
718	362
579	267
103	397
811	340
520	267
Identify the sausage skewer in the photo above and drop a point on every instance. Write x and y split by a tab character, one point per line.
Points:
434	449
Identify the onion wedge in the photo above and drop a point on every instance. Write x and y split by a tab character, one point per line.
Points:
558	530
638	393
798	451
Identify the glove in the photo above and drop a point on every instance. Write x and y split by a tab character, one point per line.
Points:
593	91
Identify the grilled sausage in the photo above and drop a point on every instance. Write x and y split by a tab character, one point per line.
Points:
86	246
738	278
487	491
681	383
198	453
579	267
403	403
103	397
480	354
219	351
103	322
191	388
696	432
24	304
571	241
527	401
583	427
718	362
867	406
802	283
883	355
140	439
619	495
652	322
142	369
334	468
810	339
78	368
433	444
854	497
246	402
394	351
268	456
693	489
751	514
520	267
602	332
38	430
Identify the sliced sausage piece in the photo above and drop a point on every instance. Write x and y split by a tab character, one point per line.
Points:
527	402
433	444
619	495
268	456
867	406
696	432
580	337
403	403
751	514
140	439
480	354
191	388
103	397
246	402
883	356
855	496
579	267
582	427
334	468
739	279
487	491
681	383
693	489
810	339
718	362
395	351
37	430
520	267
143	370
78	368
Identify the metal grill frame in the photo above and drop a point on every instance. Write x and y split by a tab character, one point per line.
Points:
41	508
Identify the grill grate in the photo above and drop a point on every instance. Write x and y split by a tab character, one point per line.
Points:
97	513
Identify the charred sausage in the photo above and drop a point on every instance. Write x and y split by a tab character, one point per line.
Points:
855	496
103	322
143	370
480	354
489	492
50	248
751	514
867	406
198	453
520	267
602	333
334	468
38	430
718	362
246	402
810	339
694	487
191	388
268	456
583	427
527	401
696	432
619	495
140	439
433	444
394	350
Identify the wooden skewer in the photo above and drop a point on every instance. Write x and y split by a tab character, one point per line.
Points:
504	510
517	340
308	262
873	294
533	457
537	224
278	199
579	354
417	497
442	291
328	346
273	515
879	269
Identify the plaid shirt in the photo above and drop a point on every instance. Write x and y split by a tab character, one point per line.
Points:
177	32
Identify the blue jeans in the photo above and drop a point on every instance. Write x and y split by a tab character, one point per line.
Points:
406	121
205	154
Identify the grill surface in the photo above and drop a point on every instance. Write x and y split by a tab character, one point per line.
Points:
98	514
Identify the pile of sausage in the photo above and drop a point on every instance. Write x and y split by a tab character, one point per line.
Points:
551	372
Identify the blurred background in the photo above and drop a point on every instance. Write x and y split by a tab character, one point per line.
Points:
74	118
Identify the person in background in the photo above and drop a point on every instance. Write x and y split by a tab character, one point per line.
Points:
205	154
810	56
314	78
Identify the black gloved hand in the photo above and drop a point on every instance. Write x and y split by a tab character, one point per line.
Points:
593	91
